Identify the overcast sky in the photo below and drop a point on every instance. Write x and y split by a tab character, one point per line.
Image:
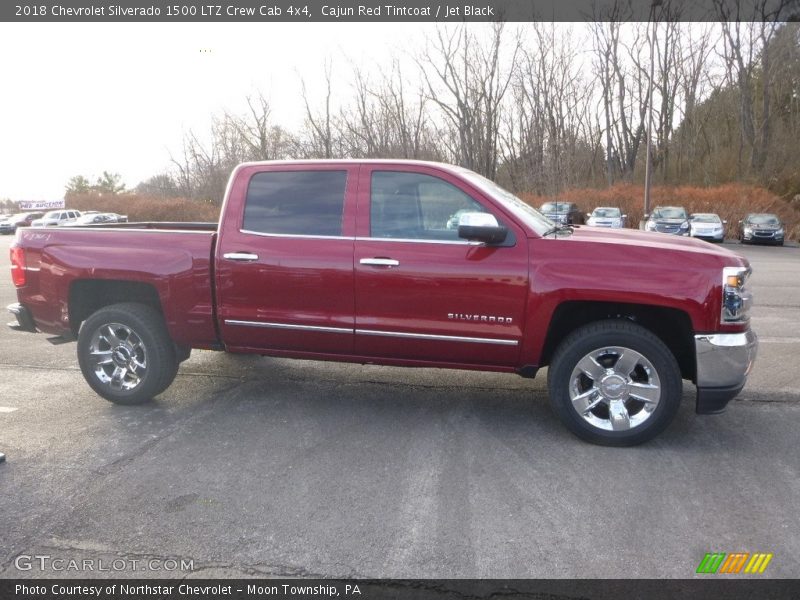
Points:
82	98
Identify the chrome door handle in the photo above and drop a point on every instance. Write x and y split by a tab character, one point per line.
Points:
240	256
380	262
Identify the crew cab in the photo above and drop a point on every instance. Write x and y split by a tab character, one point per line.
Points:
360	261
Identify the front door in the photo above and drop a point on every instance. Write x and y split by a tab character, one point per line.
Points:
424	294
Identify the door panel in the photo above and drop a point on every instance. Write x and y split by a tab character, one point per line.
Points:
291	287
434	299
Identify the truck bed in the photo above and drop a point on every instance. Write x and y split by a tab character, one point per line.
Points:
70	269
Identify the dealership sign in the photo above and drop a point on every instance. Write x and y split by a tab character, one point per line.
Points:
40	204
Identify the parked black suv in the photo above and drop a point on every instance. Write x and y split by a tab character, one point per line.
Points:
668	219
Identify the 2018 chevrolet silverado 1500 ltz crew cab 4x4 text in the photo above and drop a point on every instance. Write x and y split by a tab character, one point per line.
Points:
363	261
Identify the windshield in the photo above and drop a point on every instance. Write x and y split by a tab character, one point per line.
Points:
670	212
706	218
555	207
764	219
524	212
607	213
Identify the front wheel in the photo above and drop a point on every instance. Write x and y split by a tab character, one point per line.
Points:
614	383
125	353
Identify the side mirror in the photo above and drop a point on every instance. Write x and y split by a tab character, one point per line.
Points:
624	216
724	222
646	215
481	227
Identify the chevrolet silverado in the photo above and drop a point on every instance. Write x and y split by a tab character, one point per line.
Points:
403	263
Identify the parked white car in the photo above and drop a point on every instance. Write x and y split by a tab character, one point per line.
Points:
57	217
707	226
93	217
607	216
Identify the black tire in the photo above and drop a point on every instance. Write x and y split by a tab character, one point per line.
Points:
600	337
142	337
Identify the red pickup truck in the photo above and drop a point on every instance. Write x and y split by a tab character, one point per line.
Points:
401	263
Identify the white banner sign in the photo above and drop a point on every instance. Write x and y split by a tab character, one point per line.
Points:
40	204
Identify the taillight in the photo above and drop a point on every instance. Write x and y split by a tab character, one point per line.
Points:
18	266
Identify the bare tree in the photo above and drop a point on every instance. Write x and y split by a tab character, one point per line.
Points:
693	76
320	124
263	139
547	135
467	79
744	41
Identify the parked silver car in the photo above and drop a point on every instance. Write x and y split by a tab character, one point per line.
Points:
606	216
707	226
11	223
93	218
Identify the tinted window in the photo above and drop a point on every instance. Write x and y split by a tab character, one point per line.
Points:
296	202
416	206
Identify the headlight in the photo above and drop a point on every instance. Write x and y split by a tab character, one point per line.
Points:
685	225
779	231
650	226
748	230
736	300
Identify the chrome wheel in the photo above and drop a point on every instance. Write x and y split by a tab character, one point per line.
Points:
118	357
614	388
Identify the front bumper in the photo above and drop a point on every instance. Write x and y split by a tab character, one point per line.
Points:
24	318
723	362
709	237
762	235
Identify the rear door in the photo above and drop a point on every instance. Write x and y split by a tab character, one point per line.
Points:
423	294
285	259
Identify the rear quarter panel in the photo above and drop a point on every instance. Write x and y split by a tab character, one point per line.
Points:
177	264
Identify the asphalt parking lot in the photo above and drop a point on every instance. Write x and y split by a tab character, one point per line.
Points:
251	466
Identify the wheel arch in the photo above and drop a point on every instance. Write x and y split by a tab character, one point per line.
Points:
672	326
87	296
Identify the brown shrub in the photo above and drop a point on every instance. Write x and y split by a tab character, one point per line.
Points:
146	208
731	202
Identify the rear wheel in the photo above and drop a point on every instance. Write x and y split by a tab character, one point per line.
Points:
125	353
614	383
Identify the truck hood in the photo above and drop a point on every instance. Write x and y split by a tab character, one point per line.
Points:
628	245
